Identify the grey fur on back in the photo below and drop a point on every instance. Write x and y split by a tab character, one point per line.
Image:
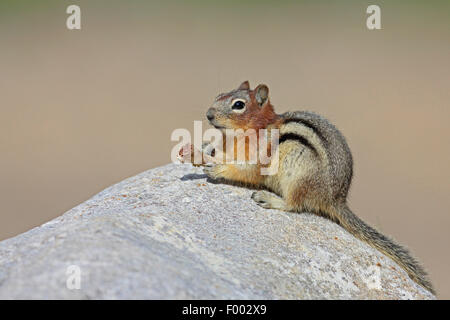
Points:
339	154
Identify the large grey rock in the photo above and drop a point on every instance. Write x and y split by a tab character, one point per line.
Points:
168	233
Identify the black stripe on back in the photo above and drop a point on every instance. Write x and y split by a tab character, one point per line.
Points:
296	137
309	125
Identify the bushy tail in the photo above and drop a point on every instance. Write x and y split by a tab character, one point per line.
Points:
347	219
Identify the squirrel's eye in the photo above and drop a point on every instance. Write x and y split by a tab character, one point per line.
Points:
238	105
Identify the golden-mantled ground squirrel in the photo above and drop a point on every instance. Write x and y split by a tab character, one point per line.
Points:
315	168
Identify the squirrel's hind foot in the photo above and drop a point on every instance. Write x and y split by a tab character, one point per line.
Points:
268	200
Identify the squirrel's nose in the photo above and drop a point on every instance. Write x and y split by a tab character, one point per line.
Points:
210	114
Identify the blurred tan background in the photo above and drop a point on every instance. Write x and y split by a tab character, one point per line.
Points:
81	110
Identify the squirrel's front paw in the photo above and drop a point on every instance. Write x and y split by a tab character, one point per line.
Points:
214	171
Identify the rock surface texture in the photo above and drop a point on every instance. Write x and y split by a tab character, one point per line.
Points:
167	233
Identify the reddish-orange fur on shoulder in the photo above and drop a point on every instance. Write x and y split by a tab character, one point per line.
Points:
255	117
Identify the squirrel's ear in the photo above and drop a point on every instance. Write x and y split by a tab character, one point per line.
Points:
261	94
244	86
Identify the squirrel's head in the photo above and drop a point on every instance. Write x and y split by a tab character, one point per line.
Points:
242	108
